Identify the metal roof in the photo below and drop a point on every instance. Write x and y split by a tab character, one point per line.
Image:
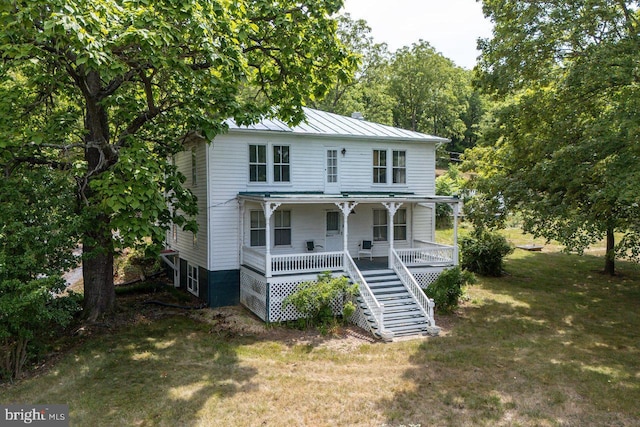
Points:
322	123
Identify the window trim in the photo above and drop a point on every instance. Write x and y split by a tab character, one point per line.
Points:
397	226
332	165
381	226
278	215
262	229
193	279
398	168
257	164
379	170
281	164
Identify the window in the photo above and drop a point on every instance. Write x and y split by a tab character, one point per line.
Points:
379	225
281	163
399	167
258	229
192	279
257	163
333	223
282	228
332	166
194	169
400	225
379	166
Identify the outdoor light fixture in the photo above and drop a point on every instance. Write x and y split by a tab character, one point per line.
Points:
344	151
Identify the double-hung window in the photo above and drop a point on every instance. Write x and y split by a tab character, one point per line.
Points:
400	225
399	167
379	166
379	225
282	228
257	163
258	229
281	165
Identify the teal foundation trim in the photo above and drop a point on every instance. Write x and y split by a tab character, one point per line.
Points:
223	288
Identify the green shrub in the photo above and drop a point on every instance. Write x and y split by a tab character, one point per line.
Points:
29	313
313	299
448	288
483	252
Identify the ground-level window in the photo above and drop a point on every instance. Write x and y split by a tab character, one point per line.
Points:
282	228
400	225
281	164
258	229
192	279
257	163
379	225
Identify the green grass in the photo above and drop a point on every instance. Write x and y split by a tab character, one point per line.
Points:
554	342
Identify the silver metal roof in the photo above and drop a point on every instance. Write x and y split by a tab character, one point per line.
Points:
322	123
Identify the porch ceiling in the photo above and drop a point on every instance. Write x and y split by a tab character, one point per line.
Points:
359	197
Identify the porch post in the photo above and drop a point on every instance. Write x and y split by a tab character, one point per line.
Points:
456	211
392	208
346	208
268	208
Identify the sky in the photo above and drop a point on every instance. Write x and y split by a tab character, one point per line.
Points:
450	26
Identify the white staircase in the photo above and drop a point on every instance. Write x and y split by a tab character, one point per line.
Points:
402	315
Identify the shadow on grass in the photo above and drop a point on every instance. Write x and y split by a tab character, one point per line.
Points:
554	342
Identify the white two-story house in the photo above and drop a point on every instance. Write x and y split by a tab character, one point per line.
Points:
278	205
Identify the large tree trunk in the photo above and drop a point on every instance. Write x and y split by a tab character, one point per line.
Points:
610	256
97	270
98	249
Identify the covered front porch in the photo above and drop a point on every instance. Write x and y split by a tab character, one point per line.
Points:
386	248
312	233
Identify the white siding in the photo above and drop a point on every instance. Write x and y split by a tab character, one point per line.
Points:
194	255
229	175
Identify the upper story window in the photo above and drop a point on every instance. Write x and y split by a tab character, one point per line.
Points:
281	165
332	165
257	163
399	167
379	166
382	173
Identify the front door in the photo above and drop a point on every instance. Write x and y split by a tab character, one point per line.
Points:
331	177
333	234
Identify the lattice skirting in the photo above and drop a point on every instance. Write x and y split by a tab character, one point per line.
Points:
426	276
264	298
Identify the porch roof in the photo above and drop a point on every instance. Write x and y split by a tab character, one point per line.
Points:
313	197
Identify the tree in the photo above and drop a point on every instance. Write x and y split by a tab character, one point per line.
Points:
367	91
429	91
107	90
562	146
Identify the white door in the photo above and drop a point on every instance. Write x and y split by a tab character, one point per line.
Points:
331	177
333	234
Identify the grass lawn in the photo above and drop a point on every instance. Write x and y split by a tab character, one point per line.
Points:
552	343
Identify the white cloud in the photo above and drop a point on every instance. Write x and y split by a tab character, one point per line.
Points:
452	27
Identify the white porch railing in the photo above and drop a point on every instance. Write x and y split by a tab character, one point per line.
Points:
425	303
427	254
374	306
293	263
306	263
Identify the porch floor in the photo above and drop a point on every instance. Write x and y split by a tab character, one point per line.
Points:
377	263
